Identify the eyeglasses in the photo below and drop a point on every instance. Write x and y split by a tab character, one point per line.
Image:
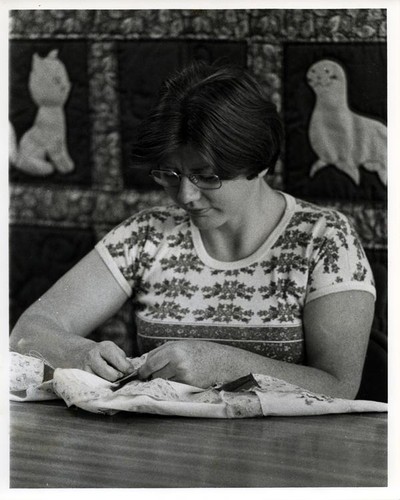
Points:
170	178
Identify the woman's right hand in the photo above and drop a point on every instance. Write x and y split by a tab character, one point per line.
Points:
57	324
106	360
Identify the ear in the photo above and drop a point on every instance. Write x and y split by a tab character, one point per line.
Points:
36	60
263	173
53	54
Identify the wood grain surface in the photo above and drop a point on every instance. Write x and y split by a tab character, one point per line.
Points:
52	446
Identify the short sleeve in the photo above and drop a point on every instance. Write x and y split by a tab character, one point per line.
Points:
127	250
338	261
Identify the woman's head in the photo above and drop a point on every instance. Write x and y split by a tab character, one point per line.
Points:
219	111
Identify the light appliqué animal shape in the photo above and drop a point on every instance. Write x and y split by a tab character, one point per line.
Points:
43	148
339	136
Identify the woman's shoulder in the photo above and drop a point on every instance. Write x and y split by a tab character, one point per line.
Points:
150	224
310	214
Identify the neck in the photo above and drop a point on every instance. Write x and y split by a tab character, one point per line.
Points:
241	237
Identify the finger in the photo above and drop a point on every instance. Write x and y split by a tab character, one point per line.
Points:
159	348
115	357
88	369
167	373
101	368
101	372
153	364
163	347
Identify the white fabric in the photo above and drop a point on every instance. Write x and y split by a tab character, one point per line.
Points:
26	379
94	394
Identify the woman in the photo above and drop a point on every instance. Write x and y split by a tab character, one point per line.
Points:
235	278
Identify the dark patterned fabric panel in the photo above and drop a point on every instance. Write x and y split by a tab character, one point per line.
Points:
38	258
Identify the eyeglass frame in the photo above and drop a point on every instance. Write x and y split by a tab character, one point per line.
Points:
192	178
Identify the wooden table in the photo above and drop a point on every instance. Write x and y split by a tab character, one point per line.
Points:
53	446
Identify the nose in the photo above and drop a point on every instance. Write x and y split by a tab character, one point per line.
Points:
187	192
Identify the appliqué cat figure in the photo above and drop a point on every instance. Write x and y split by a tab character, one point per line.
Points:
339	136
43	148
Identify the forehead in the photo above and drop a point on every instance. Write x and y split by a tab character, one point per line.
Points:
186	158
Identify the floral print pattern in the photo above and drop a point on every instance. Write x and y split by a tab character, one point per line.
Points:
25	371
259	305
271	25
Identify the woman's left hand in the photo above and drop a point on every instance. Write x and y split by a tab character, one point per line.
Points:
194	362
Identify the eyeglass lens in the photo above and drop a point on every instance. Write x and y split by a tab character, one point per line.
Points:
169	178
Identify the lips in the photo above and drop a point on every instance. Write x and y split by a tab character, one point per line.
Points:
197	212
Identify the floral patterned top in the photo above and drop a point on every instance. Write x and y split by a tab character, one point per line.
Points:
180	292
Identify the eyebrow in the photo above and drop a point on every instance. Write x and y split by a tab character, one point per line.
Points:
195	169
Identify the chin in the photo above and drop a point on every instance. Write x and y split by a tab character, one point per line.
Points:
204	223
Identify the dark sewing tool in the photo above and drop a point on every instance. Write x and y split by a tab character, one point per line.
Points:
124	380
240	384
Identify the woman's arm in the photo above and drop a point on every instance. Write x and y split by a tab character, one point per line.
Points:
337	328
56	325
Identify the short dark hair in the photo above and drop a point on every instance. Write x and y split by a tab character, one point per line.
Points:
222	112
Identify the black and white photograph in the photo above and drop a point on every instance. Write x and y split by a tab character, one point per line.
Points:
200	265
